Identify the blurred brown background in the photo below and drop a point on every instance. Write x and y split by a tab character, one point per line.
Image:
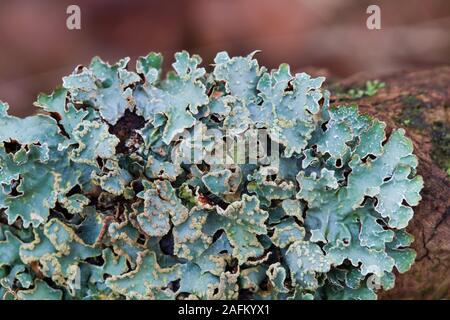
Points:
327	35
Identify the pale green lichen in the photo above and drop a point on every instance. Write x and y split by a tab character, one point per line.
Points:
117	188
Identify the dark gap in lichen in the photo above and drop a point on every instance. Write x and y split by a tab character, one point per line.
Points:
12	146
174	286
232	266
216	90
141	239
375	201
97	261
75	190
365	200
128	264
14	185
346	174
244	294
275	203
214	118
217	235
264	284
383	223
125	130
36	267
287	282
204	167
213	200
58	119
3	217
59	209
99	162
137	186
368	157
270	232
289	87
297	221
405	203
81	106
181	178
275	255
167	244
18	224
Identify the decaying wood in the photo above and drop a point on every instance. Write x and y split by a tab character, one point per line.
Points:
419	101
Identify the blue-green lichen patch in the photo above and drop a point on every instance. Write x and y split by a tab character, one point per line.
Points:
235	183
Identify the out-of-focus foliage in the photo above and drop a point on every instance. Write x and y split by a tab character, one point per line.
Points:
371	89
100	199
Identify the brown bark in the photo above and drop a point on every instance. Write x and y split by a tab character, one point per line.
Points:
419	101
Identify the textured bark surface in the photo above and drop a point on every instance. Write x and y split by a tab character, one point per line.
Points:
418	101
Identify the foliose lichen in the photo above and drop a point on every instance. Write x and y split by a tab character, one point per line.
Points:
193	203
